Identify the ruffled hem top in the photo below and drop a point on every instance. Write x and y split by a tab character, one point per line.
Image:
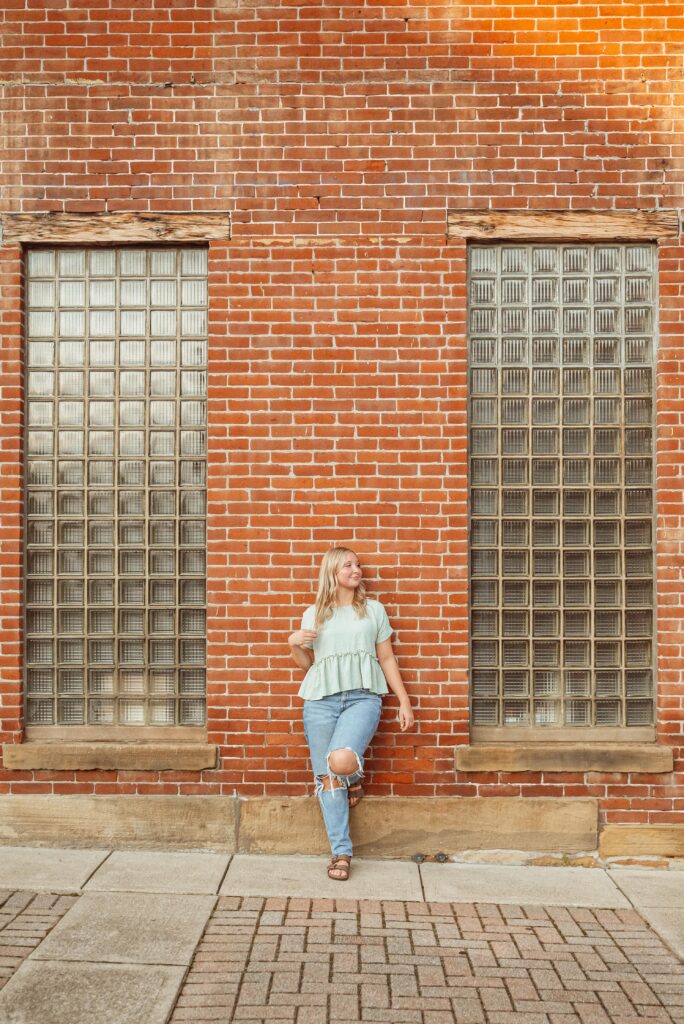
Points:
344	652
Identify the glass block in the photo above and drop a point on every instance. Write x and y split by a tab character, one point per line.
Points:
638	350
514	381
606	593
577	684
482	410
545	350
162	414
101	621
607	712
70	651
163	323
39	592
638	683
482	593
545	593
132	712
575	350
639	623
514	411
101	353
607	623
131	532
162	620
606	563
576	653
131	682
163	352
101	712
192	473
514	472
482	350
40	414
192	681
576	592
101	651
483	563
515	503
39	621
485	712
164	591
132	621
513	350
547	712
41	353
41	324
162	473
132	383
101	591
40	532
131	563
70	711
133	292
545	624
71	324
162	562
638	319
575	472
638	442
575	320
576	411
544	442
514	563
639	712
162	712
545	411
162	442
513	442
638	653
162	652
102	293
515	653
41	263
131	472
638	593
132	262
575	563
575	534
546	683
607	503
70	562
193	353
131	652
482	502
40	503
515	712
545	562
164	293
576	381
638	502
482	623
545	503
100	473
482	442
514	624
514	533
639	563
577	712
132	353
163	681
484	532
162	503
131	592
100	680
69	620
131	503
131	443
194	324
192	712
132	414
485	653
515	592
39	680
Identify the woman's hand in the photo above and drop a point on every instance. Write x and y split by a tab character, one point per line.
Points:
405	716
301	637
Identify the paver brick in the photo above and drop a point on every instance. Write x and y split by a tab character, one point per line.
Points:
327	961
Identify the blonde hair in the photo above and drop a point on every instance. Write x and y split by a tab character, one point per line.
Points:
326	597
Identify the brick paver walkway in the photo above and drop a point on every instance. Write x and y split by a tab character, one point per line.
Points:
25	920
301	961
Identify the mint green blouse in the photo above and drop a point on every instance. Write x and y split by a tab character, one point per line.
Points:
344	651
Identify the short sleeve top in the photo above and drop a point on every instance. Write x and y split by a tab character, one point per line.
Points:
344	651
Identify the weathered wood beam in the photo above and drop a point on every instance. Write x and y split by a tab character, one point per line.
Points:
574	225
89	228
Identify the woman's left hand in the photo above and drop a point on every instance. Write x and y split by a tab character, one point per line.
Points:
405	716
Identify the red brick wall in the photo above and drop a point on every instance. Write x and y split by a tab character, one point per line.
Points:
338	136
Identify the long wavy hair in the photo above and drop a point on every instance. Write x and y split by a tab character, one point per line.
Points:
326	598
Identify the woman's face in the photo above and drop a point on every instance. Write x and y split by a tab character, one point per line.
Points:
350	575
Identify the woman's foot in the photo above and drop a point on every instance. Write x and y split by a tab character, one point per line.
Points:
339	867
355	794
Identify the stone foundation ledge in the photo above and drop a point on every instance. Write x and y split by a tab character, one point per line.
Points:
382	826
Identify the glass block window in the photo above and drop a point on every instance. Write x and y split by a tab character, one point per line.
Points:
561	343
116	388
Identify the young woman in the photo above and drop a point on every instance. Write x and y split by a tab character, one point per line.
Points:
344	644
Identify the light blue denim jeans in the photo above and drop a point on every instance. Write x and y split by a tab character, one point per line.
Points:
341	721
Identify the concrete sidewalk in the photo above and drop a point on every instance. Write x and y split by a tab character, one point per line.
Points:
150	937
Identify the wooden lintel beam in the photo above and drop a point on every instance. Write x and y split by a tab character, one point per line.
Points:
89	228
574	225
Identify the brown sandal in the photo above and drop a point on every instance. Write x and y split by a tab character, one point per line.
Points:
355	794
342	865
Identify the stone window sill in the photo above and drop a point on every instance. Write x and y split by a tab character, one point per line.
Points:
109	756
651	758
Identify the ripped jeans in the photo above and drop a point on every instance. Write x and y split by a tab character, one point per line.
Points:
341	721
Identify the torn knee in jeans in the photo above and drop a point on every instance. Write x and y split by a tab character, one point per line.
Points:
344	761
324	783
